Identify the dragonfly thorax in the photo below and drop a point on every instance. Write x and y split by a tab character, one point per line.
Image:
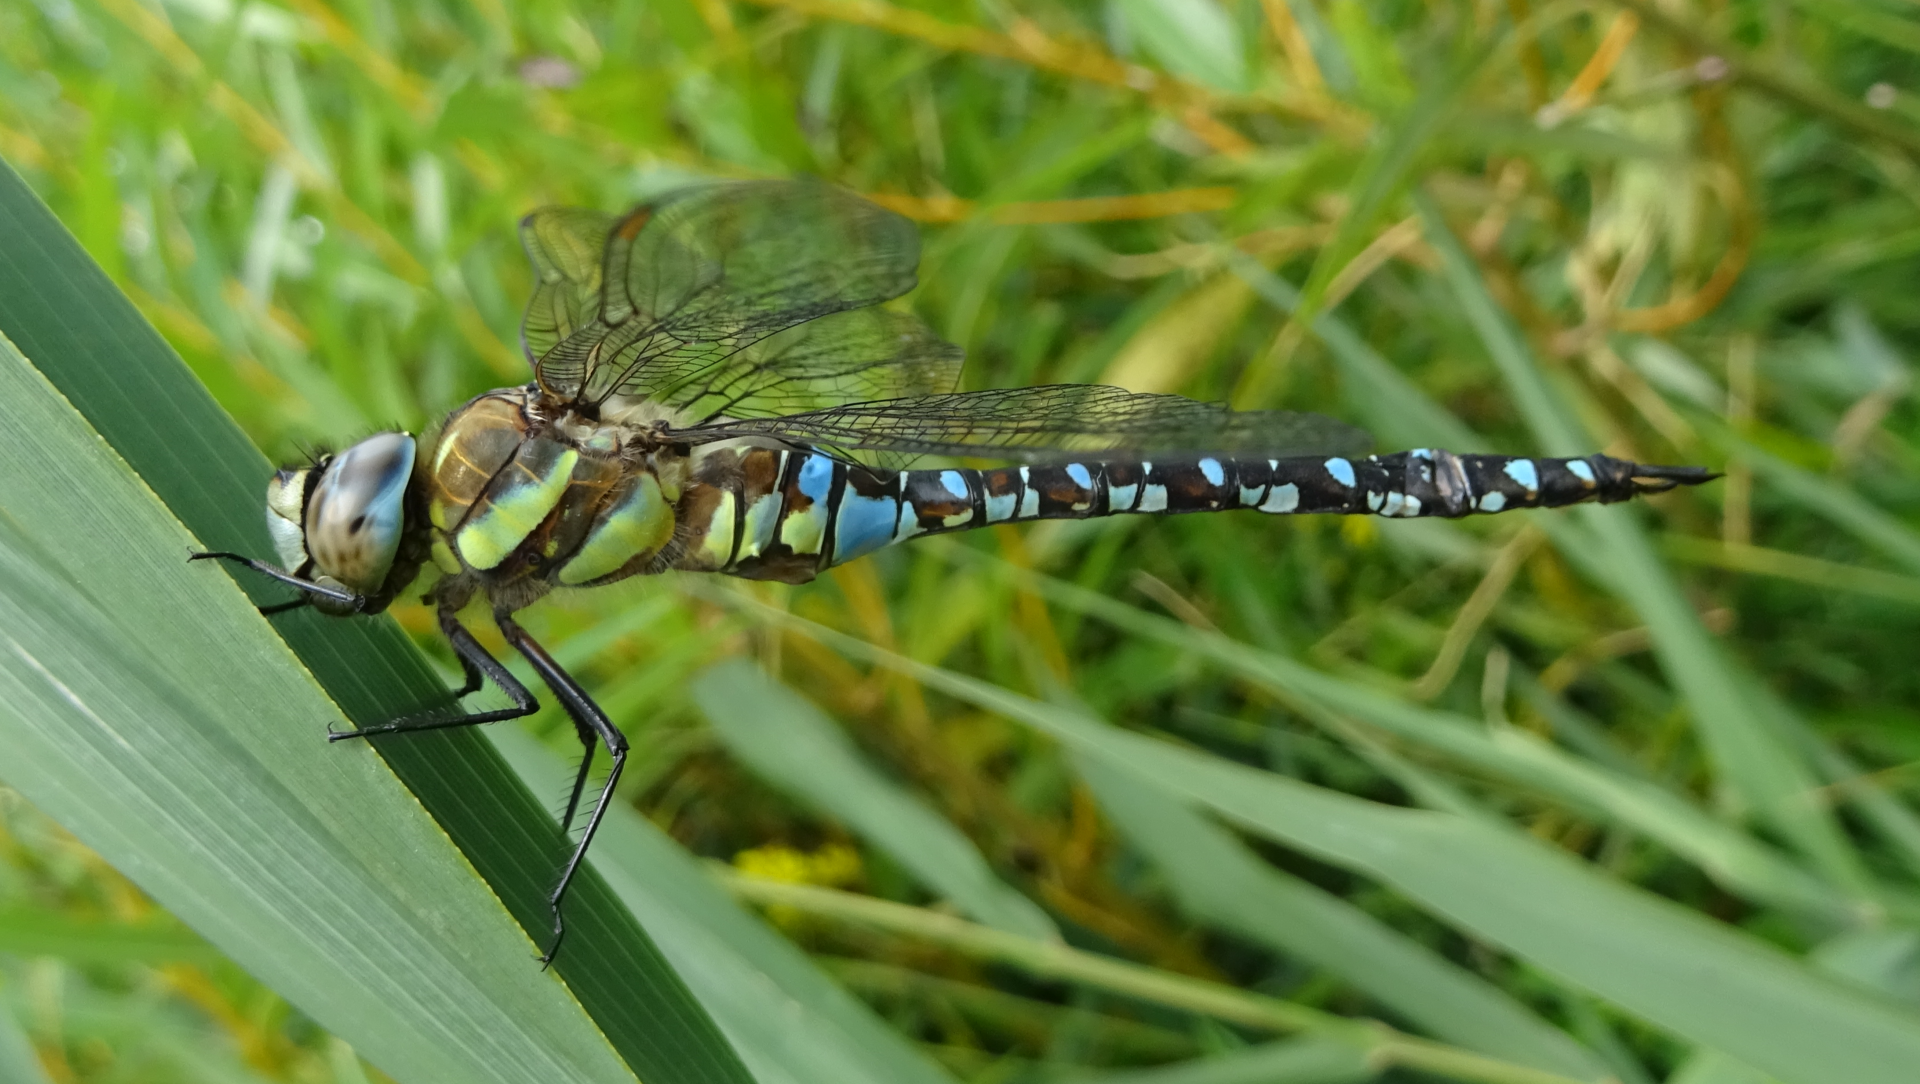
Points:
341	521
523	494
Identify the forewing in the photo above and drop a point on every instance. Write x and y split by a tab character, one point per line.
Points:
565	245
698	276
844	357
1050	423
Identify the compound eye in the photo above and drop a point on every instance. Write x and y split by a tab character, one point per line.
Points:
357	511
286	517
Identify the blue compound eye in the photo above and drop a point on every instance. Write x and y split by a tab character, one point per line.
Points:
357	511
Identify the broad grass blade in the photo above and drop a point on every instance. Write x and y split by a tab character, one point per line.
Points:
1195	39
1299	1061
18	1062
45	931
157	716
1218	880
791	1023
72	324
1713	1067
1833	500
1736	859
1694	978
1755	761
1393	407
793	745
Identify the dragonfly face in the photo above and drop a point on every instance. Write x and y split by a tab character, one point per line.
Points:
716	389
340	522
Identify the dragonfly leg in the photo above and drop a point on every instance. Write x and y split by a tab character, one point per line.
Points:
579	783
307	588
476	662
470	671
283	607
591	723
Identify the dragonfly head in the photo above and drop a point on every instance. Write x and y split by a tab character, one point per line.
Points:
340	521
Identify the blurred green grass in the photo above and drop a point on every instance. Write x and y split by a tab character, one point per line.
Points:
1501	226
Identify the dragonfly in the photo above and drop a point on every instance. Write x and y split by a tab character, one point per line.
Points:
718	387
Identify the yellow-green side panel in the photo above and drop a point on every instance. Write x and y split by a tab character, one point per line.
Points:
443	557
763	515
641	523
717	548
515	504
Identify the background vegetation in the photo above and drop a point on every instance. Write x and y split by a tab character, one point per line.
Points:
1614	793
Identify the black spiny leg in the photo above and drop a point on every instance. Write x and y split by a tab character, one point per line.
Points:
579	780
476	662
469	671
283	607
590	722
307	588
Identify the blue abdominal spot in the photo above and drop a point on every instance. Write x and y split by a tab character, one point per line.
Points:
865	524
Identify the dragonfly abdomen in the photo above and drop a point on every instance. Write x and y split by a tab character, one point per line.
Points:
1423	482
787	514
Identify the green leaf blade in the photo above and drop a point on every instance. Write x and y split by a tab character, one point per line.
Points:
790	1022
789	742
90	343
134	691
1220	880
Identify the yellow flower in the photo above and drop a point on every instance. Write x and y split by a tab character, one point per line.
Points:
834	865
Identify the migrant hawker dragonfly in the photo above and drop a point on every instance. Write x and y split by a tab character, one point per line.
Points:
716	390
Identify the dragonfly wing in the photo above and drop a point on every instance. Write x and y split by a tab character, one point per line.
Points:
1051	423
565	245
698	276
846	357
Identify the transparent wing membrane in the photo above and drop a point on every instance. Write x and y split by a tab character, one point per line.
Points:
566	245
688	284
846	357
1050	423
751	308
